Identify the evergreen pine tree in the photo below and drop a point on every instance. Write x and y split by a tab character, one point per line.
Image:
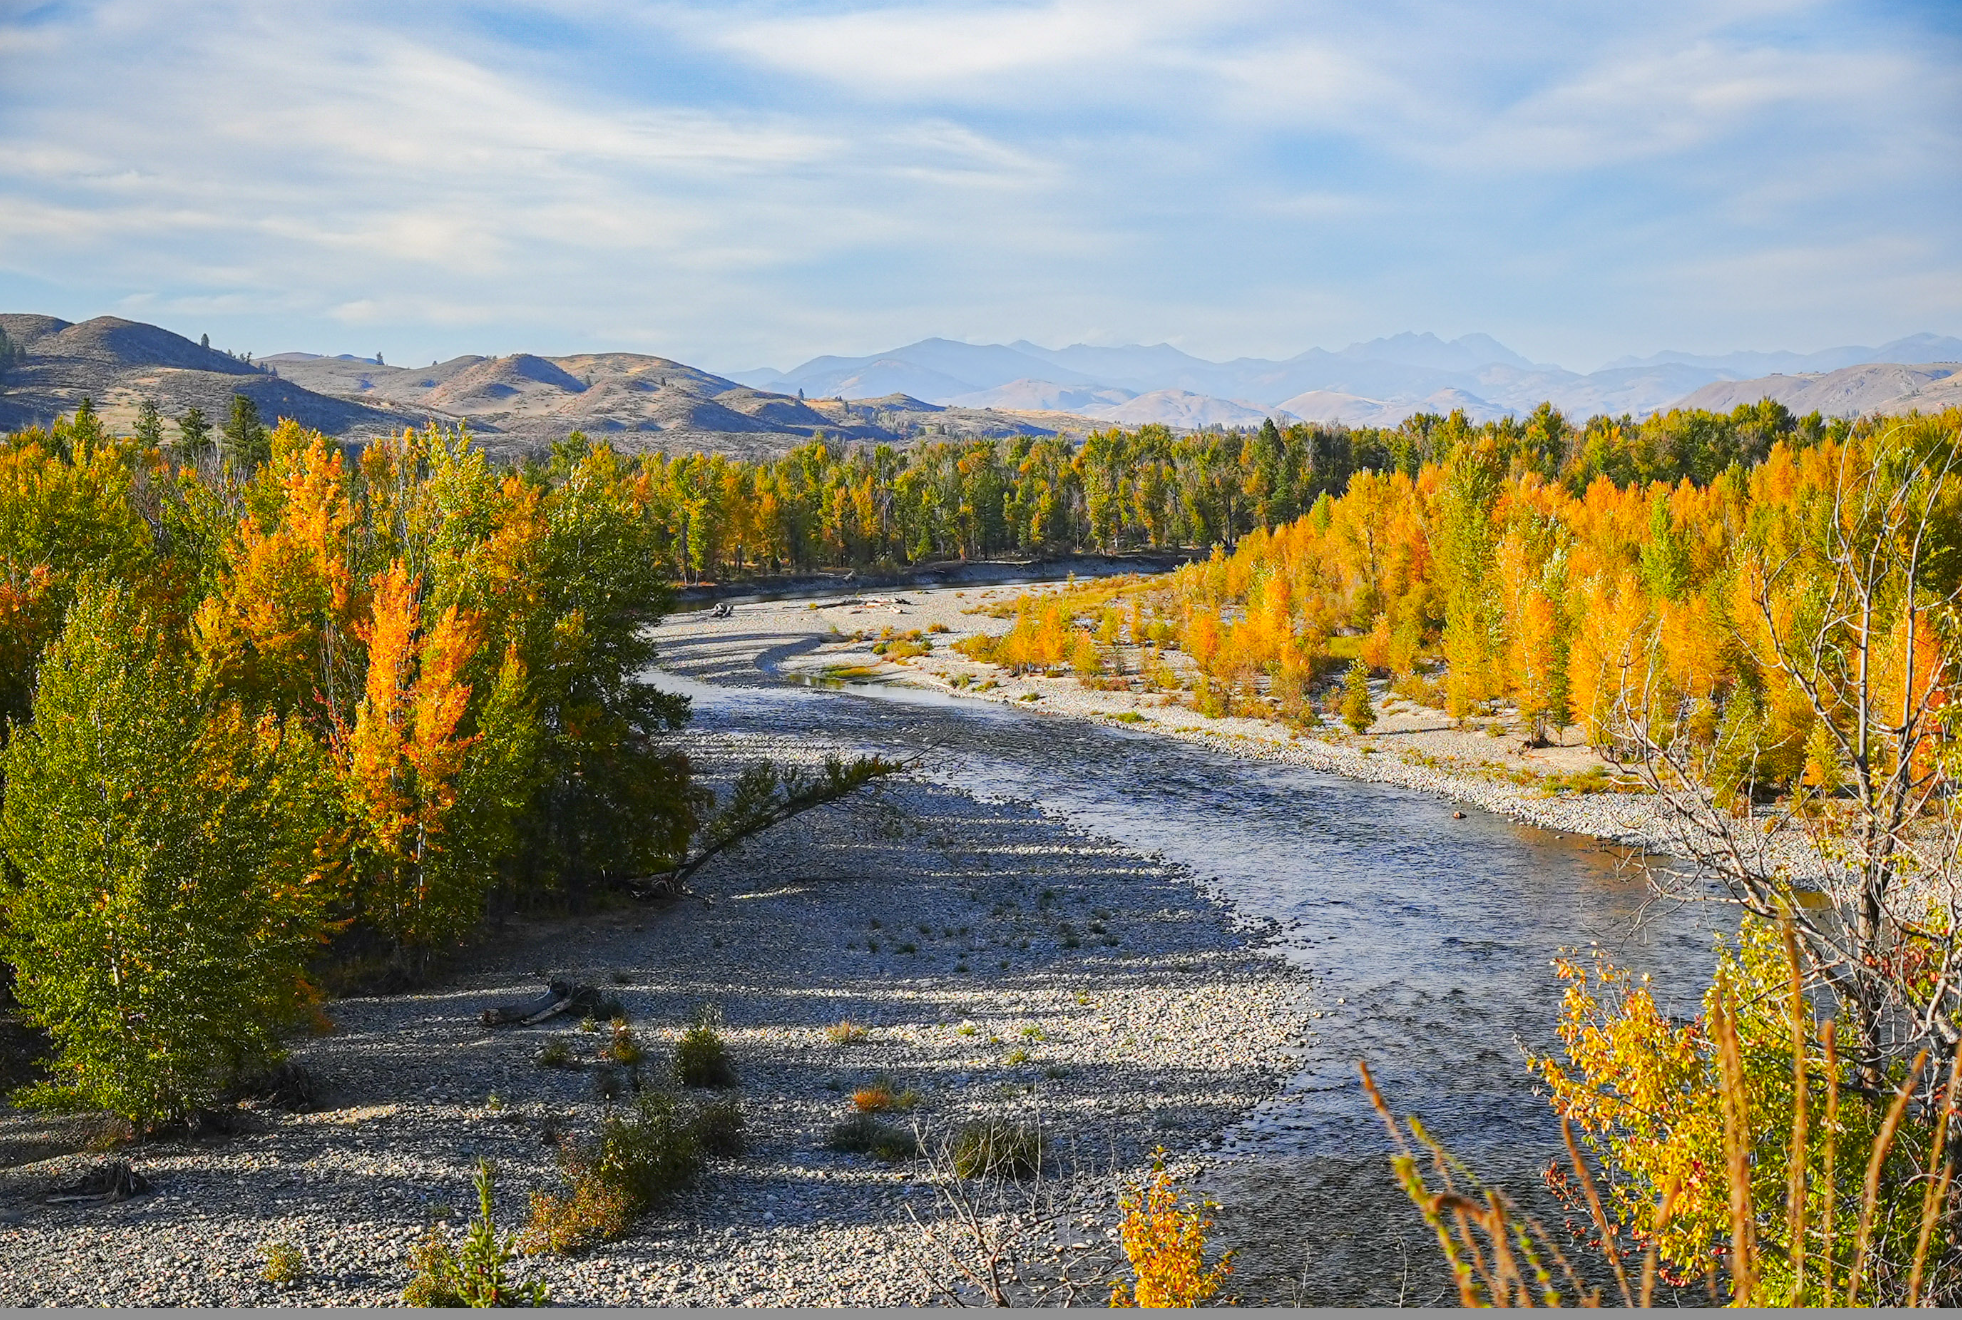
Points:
193	436
245	440
85	427
149	424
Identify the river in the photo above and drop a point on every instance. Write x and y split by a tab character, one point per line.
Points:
1428	941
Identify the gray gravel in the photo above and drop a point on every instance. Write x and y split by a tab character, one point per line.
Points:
1164	1037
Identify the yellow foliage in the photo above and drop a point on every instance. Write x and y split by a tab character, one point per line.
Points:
1165	1240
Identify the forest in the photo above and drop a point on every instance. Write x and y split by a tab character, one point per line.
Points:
282	714
825	505
271	702
1764	638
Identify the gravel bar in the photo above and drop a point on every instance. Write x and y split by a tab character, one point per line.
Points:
1021	967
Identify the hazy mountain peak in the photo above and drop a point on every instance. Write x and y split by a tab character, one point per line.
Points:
1466	353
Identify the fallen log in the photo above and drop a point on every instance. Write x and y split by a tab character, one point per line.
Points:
560	997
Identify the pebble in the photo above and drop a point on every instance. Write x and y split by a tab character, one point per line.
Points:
1142	1053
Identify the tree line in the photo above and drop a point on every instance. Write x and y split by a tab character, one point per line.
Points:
1765	632
826	504
255	710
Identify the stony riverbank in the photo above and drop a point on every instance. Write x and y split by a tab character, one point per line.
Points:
1409	746
998	962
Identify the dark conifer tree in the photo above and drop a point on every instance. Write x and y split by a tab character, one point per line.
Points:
149	424
245	441
193	436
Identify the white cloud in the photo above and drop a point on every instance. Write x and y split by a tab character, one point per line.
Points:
761	181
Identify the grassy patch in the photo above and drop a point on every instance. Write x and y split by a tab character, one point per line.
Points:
882	1095
700	1057
866	1134
850	673
997	1148
846	1032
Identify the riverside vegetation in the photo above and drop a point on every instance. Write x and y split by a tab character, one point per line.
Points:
279	720
282	720
1770	648
317	717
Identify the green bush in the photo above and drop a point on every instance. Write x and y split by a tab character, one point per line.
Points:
474	1276
997	1148
284	1263
624	1048
163	894
700	1057
864	1134
1358	712
719	1128
639	1159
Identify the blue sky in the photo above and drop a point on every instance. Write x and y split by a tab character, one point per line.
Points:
741	184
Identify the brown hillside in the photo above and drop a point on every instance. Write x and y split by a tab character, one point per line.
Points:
119	363
1882	387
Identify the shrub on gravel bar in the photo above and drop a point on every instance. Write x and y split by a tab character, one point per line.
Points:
998	1148
700	1057
864	1134
718	1127
474	1276
624	1048
846	1032
638	1160
284	1263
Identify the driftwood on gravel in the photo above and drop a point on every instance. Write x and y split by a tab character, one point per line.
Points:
766	795
112	1180
559	997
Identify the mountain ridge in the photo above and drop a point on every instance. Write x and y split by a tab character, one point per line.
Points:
521	402
1386	378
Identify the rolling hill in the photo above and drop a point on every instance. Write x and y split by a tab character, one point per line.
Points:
639	402
515	405
119	363
1875	387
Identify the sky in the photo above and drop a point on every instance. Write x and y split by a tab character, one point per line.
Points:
739	185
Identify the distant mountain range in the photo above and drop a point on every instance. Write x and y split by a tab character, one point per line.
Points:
935	388
1376	383
516	404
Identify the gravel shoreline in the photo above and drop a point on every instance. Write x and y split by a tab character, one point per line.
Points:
1051	975
1410	746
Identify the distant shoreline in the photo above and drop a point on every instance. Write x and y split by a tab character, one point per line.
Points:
741	649
952	573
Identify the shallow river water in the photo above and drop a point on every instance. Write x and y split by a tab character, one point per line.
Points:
1428	941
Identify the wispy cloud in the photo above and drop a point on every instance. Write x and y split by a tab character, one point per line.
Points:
749	182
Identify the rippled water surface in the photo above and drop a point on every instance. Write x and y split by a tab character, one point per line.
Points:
1428	940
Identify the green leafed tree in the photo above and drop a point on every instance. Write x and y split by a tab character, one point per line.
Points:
1358	712
163	888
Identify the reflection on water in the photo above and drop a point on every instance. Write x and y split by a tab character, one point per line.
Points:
1428	940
